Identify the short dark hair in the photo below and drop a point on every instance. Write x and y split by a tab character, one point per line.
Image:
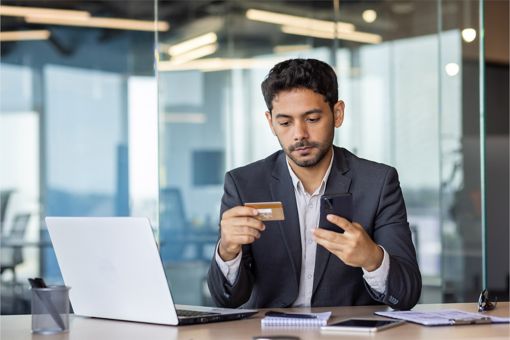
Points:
309	74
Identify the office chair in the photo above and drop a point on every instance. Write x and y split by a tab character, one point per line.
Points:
12	255
5	195
172	215
173	224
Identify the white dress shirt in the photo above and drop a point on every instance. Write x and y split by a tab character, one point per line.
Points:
308	207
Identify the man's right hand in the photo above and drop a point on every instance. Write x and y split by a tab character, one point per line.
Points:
238	226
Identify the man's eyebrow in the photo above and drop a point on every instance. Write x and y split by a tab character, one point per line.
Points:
311	111
282	115
316	110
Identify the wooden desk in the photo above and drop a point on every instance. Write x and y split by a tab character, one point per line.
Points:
18	328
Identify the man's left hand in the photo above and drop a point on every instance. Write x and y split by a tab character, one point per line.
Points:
354	247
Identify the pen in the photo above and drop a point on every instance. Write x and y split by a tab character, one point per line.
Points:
290	315
470	321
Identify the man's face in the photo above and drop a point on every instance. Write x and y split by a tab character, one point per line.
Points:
304	125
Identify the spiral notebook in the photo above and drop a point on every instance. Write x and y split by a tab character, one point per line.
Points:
280	319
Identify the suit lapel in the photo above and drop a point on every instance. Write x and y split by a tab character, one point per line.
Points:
337	183
282	190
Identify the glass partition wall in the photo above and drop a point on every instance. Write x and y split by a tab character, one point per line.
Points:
409	75
78	126
143	119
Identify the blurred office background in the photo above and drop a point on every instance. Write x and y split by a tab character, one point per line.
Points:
137	108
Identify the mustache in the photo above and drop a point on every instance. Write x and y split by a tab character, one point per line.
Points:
303	144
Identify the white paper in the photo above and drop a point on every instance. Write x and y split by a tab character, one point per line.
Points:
441	317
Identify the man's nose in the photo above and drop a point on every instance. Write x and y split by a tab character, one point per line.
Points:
300	131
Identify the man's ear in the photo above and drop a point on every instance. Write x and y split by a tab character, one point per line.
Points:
269	118
338	113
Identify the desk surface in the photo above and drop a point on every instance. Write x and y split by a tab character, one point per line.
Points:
18	327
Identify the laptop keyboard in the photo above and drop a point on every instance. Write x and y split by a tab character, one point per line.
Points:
191	313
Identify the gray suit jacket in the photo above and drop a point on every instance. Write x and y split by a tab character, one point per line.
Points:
270	267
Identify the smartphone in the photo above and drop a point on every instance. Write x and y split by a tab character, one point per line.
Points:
361	325
337	204
275	337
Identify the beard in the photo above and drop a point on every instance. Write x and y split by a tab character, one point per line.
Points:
308	163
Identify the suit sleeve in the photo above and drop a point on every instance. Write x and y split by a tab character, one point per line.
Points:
223	293
391	231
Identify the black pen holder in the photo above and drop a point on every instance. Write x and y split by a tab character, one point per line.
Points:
50	310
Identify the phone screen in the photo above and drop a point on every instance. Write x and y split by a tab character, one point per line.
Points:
337	204
363	323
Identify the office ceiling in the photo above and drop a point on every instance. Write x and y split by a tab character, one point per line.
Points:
395	19
391	14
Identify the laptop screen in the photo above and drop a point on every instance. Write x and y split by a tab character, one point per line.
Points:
113	267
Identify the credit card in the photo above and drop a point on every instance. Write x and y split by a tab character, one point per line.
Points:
268	211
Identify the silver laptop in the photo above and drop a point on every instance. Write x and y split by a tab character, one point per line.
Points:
113	267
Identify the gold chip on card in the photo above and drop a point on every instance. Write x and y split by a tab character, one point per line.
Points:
268	211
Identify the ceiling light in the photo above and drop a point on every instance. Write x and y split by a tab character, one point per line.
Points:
291	48
192	44
452	69
400	7
25	35
469	34
219	64
369	15
194	54
356	36
19	11
292	20
185	117
51	16
100	22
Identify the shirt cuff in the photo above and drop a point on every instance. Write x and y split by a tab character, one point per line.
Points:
377	279
230	268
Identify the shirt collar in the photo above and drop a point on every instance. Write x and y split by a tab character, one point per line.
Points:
299	186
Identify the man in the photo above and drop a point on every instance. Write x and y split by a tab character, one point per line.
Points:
292	262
